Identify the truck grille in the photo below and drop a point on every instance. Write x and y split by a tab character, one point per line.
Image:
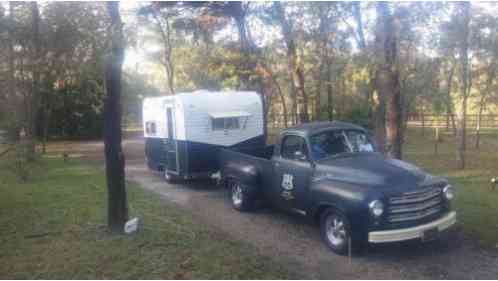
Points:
415	205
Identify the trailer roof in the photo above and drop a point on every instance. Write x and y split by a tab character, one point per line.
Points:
316	127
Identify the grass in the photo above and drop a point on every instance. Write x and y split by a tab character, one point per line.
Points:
476	203
53	227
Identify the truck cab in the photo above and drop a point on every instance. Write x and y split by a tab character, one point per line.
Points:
332	173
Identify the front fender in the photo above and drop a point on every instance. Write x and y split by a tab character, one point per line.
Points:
351	199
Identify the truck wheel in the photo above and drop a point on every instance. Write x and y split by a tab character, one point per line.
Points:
242	200
336	231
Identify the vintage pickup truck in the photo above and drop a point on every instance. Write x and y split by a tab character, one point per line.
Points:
331	172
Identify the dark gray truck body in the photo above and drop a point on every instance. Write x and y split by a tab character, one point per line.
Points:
414	201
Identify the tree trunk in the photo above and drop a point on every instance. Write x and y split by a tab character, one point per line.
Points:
330	94
370	96
32	112
447	121
304	106
282	99
266	102
382	74
390	80
323	57
380	120
406	104
359	25
267	74
294	66
449	101
319	83
168	61
422	117
244	48
368	91
318	92
11	95
453	122
46	122
115	163
293	100
462	113
482	103
478	125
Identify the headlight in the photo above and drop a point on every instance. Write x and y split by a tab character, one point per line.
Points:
449	192
376	208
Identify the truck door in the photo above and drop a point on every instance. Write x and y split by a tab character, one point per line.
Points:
292	173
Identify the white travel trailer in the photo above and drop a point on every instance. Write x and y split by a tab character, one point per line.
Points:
184	132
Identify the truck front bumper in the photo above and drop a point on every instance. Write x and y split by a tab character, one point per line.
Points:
412	232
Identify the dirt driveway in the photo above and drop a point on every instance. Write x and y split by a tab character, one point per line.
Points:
298	244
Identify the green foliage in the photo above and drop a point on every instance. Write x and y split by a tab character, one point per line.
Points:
135	88
77	110
208	52
358	115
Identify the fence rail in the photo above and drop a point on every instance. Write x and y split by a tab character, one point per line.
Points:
445	120
414	120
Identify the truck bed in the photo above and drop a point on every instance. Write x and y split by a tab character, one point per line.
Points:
235	159
257	152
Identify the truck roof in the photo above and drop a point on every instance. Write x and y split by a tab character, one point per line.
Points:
316	127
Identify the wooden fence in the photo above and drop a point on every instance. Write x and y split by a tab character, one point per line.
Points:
488	121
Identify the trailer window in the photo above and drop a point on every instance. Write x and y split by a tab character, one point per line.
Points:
230	123
218	124
150	128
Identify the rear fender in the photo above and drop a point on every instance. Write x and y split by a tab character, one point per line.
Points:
246	174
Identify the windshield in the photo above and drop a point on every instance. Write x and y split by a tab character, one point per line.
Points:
335	142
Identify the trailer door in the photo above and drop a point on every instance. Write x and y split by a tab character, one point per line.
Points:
171	145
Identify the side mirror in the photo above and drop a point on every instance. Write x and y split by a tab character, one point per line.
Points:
299	155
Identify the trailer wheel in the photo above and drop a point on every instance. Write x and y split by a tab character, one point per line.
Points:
242	199
149	164
170	178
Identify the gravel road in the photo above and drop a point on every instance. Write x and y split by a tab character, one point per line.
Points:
297	243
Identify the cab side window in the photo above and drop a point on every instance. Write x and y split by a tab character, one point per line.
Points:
294	147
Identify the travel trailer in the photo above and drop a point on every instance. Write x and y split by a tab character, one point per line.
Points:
184	132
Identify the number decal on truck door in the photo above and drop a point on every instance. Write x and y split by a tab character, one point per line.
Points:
288	186
287	182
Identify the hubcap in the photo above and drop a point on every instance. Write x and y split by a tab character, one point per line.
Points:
336	230
236	194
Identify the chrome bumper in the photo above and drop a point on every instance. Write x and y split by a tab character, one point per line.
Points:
412	232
